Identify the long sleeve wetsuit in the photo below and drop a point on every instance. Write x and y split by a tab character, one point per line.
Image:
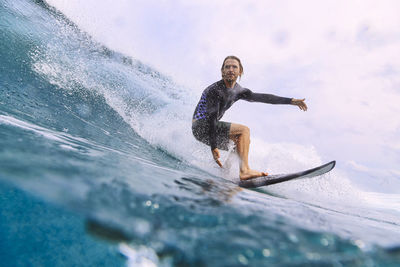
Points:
217	98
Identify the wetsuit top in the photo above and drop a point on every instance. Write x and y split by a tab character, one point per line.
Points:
217	98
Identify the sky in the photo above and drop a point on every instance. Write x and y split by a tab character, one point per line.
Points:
342	56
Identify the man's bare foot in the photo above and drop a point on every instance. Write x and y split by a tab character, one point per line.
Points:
244	175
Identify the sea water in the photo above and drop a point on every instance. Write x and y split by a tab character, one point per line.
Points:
98	167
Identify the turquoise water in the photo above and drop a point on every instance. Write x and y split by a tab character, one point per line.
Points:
98	167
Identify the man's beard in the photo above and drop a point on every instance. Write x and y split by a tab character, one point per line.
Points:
230	78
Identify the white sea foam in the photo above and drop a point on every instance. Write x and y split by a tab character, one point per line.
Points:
139	256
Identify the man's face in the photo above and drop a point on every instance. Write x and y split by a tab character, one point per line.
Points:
231	70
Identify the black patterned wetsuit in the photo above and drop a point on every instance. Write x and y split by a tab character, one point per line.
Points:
214	101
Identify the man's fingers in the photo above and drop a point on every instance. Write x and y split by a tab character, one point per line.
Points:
215	153
218	162
301	104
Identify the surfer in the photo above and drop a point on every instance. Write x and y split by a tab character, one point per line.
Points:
219	97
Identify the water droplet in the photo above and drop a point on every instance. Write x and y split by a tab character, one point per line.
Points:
292	237
242	259
324	241
266	252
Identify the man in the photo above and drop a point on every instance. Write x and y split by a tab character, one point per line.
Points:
219	97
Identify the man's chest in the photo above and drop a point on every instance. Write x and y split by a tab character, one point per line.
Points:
226	98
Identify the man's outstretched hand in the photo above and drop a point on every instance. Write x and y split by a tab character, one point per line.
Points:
215	153
300	103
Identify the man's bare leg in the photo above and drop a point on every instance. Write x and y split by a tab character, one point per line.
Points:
240	134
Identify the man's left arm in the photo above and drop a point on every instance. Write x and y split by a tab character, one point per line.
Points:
248	95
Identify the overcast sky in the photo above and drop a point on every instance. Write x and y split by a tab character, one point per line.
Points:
342	56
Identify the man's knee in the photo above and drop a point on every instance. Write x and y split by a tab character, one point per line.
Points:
245	130
239	130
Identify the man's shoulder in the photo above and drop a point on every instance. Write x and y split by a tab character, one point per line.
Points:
241	89
216	85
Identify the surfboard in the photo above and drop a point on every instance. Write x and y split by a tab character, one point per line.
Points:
279	178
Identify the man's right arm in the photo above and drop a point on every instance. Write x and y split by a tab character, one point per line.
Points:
213	140
212	129
212	108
